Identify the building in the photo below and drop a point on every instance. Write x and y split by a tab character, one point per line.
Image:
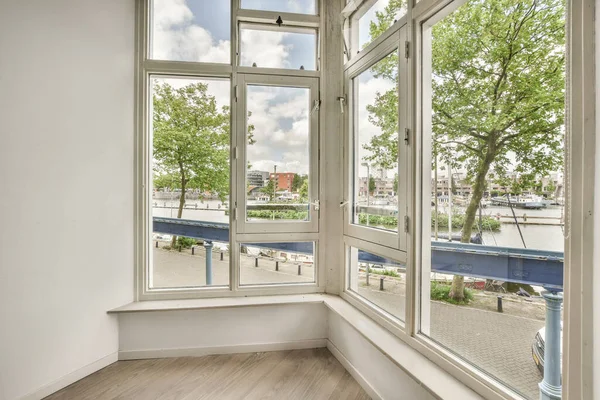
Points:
257	178
284	180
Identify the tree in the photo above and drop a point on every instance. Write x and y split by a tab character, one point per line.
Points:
190	141
269	190
498	85
304	190
296	182
372	185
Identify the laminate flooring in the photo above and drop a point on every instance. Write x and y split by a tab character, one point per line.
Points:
294	374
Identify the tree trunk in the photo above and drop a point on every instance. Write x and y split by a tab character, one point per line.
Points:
457	291
181	201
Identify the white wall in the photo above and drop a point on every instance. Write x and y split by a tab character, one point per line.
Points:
222	330
386	378
66	186
596	246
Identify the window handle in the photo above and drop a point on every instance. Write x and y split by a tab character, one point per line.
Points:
316	204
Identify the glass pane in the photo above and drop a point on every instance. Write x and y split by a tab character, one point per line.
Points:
378	19
278	48
190	178
278	153
290	6
493	222
376	145
277	263
380	280
191	30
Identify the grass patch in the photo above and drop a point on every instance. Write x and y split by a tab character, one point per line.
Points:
386	272
441	292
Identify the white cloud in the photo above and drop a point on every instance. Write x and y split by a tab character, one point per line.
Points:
265	48
177	38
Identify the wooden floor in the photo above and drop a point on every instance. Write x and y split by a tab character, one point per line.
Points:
296	374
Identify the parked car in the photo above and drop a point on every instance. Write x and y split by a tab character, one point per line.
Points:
538	346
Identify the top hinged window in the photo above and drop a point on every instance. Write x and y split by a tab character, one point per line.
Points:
285	6
190	30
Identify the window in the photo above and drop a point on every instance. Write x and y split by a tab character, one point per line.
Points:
373	21
272	47
282	145
190	182
493	196
191	30
228	168
295	6
277	263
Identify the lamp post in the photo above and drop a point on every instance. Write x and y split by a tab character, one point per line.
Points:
368	191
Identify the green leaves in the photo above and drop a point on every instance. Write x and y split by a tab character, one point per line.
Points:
190	138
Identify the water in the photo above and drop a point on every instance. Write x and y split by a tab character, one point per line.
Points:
541	237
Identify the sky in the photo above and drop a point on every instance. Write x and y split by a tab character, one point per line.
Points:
199	30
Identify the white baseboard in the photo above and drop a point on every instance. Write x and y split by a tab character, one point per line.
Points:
211	350
353	371
73	377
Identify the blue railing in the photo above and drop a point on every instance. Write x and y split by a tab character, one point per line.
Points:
534	267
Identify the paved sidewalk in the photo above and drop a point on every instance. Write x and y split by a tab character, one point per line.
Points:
497	343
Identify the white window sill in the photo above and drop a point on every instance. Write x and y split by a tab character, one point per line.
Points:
422	370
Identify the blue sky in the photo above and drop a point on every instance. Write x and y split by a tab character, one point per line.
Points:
199	30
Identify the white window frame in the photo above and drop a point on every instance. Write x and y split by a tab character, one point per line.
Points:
146	67
394	41
241	159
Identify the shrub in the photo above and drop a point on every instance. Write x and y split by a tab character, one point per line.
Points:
441	292
185	242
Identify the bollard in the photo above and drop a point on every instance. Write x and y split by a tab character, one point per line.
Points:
551	386
299	269
221	256
500	304
256	262
157	244
367	274
208	246
180	248
524	217
381	283
193	247
276	265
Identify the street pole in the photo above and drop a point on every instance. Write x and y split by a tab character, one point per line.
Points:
368	188
450	202
208	246
551	386
435	196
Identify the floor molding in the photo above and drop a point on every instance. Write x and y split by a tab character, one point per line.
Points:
212	350
72	377
353	371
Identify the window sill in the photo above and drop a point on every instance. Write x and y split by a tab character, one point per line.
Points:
433	378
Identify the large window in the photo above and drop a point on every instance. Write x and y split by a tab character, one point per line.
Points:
228	139
493	189
464	253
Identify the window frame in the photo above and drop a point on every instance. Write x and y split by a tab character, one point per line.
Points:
394	240
240	156
144	69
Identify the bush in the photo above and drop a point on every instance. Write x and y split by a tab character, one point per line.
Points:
268	214
185	242
458	221
441	292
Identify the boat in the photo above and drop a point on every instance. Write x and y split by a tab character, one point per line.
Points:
525	202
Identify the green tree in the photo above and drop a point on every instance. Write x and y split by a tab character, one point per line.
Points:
190	140
304	190
497	93
372	185
269	190
296	182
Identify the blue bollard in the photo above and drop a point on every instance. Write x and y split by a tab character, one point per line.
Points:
551	386
208	246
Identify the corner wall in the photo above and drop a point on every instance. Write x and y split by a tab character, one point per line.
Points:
66	188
